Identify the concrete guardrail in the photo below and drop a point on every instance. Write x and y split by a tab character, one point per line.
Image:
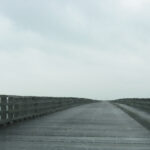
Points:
139	103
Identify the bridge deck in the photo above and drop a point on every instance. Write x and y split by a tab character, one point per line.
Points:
96	126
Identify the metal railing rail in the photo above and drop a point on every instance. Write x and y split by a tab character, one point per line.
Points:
13	108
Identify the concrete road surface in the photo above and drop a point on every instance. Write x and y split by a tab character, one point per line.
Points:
97	126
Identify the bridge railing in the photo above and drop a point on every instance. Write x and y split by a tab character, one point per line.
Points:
13	108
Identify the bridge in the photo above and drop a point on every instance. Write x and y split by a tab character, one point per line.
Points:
42	123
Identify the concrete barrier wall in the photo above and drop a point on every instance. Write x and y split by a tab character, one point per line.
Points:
13	108
138	109
142	104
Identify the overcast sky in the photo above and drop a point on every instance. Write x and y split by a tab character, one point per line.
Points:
97	49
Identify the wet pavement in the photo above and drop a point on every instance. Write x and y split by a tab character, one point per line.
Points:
96	126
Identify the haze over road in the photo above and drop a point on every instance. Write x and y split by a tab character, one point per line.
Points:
96	126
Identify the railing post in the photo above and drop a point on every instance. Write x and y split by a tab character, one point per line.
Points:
10	108
3	109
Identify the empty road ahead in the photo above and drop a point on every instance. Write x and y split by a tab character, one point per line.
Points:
96	126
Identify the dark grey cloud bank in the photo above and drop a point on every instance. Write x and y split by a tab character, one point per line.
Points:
85	48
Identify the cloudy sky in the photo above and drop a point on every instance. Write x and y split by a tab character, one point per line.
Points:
97	49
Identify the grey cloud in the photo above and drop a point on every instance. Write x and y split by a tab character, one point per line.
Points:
97	49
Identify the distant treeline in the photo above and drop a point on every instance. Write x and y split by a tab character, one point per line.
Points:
134	99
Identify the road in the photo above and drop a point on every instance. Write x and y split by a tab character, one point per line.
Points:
96	126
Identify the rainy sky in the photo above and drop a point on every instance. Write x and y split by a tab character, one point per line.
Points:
96	49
